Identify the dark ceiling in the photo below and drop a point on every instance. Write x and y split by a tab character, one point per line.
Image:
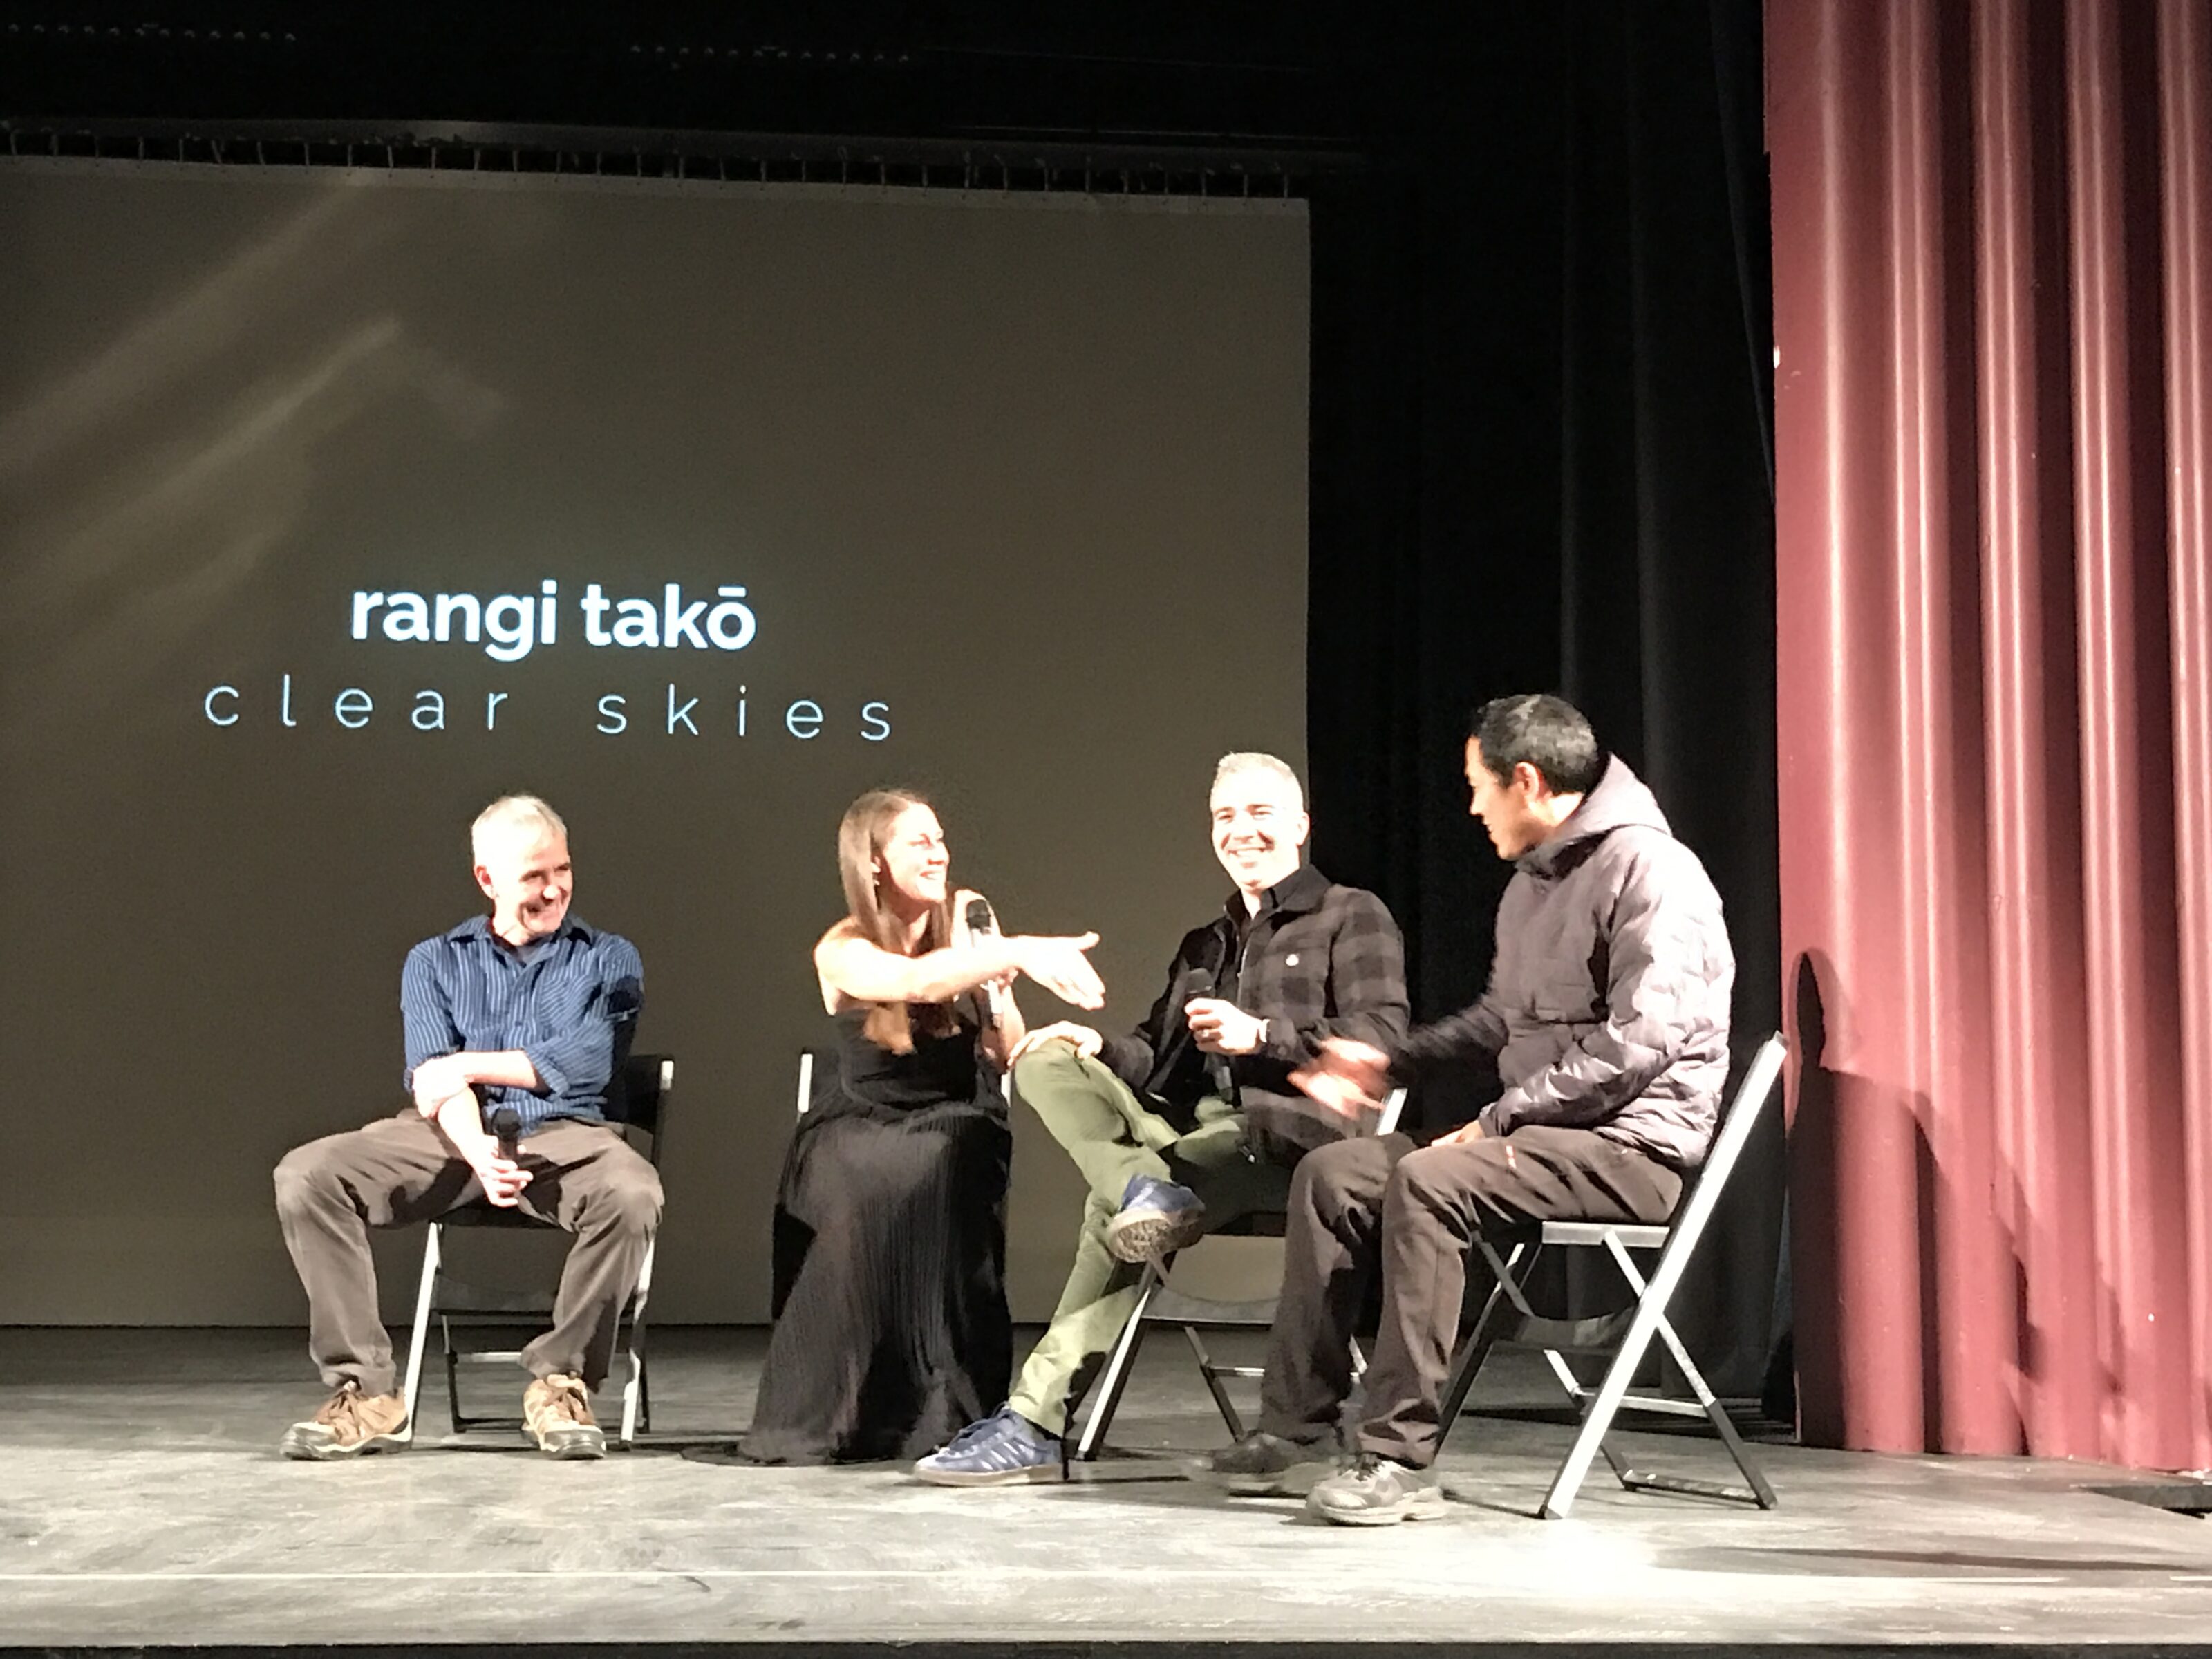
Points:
1143	78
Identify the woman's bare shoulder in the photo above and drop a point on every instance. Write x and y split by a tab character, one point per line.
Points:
844	931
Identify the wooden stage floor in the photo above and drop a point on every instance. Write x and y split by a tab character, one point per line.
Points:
142	1505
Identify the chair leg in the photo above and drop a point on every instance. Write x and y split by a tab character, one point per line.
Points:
634	1390
1116	1376
423	1298
452	1375
1212	1373
1578	1395
1604	1402
1755	1489
1483	1337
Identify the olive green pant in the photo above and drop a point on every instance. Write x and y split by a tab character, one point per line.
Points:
1112	1136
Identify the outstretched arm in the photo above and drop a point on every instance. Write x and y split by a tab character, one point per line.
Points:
865	972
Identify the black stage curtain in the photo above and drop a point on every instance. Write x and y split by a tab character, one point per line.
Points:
1542	460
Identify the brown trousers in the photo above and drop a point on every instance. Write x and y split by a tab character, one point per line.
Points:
584	1178
1357	1205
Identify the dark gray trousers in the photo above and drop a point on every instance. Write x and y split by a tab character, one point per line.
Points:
1360	1205
584	1178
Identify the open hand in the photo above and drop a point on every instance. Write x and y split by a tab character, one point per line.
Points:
1333	1093
1360	1064
1058	964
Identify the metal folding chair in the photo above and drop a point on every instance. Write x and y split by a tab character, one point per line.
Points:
1159	1303
1507	1317
639	1103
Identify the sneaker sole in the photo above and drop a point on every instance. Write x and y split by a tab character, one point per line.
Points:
574	1449
1139	1238
1039	1475
330	1451
1431	1507
1297	1481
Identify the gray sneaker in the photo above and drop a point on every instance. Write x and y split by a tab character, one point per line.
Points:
1377	1493
1263	1465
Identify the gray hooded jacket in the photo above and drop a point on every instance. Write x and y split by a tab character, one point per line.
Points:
1608	1001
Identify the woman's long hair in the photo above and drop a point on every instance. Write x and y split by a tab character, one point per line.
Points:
860	837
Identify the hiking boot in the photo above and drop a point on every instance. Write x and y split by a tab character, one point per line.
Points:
556	1413
1005	1449
1377	1493
1263	1465
1156	1218
351	1424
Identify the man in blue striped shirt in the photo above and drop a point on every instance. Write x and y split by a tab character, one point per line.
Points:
532	1009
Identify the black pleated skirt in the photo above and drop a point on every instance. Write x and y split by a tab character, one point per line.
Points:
892	1330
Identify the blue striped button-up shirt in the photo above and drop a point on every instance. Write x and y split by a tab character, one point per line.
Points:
568	1002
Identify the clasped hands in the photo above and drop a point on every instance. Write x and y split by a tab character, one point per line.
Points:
444	1090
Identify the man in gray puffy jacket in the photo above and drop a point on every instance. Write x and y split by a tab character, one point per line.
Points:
1608	1010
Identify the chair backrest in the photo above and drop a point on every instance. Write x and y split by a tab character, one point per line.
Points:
1742	1114
640	1097
1738	1118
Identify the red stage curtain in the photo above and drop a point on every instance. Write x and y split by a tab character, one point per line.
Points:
1993	316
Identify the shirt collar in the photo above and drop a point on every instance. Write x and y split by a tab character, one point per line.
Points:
1299	891
479	927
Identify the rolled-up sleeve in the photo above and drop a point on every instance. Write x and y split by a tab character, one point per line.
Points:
426	1008
577	1061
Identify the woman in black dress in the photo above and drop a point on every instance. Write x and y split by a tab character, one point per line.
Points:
892	1330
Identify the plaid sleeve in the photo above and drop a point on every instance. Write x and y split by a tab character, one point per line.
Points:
1366	982
1131	1058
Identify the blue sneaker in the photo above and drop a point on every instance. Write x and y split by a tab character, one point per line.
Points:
1155	1218
1005	1449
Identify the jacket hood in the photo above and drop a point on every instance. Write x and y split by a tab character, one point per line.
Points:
1618	800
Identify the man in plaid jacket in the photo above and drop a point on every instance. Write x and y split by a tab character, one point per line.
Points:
1191	1121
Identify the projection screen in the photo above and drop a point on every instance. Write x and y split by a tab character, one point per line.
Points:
339	503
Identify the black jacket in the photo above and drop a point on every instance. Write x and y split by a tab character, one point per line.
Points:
1317	961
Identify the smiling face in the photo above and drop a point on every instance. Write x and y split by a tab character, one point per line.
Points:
1259	825
523	869
1509	810
913	866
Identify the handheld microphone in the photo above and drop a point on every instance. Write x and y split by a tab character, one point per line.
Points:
983	924
506	1124
1204	975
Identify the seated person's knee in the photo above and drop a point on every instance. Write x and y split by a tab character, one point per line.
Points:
299	1173
1424	1175
1327	1177
635	1200
1047	1063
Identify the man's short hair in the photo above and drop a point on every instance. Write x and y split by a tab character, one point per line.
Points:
512	812
1253	760
1548	732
